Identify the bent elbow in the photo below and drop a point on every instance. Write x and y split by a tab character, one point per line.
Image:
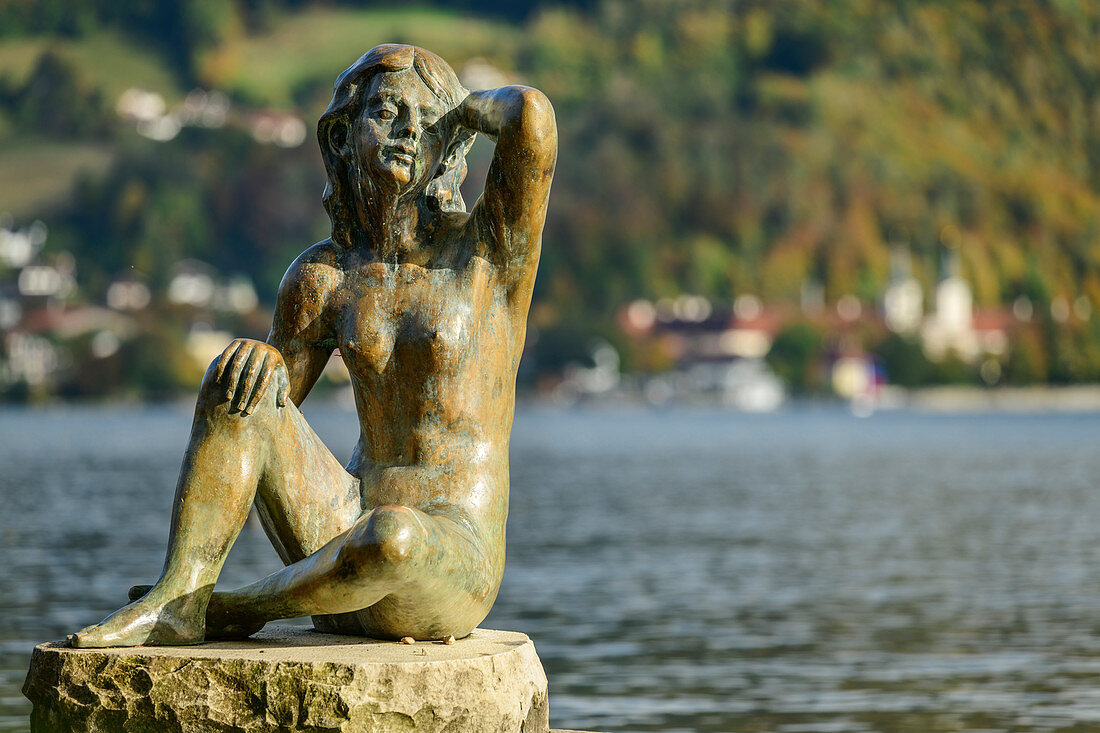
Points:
535	120
534	102
537	110
529	113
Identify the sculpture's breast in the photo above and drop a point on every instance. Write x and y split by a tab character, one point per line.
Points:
414	319
370	344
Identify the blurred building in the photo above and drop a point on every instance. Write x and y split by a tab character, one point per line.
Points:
903	300
716	354
954	327
33	292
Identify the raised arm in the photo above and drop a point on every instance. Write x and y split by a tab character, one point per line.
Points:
511	211
298	346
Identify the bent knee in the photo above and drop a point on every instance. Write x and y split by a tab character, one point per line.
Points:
391	536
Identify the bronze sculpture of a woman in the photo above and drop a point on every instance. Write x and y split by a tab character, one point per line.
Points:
427	305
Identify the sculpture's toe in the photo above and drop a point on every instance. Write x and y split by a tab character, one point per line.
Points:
91	637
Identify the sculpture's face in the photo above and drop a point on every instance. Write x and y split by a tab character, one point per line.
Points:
399	143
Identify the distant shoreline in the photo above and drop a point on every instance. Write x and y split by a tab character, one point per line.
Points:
946	400
1077	399
1070	398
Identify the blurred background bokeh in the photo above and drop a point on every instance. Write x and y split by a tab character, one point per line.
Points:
754	200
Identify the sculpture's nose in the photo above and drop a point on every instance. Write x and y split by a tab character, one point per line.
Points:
408	127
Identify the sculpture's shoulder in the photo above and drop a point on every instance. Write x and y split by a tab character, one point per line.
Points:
317	272
307	289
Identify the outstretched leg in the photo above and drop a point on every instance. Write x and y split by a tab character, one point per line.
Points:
410	573
404	573
397	572
305	497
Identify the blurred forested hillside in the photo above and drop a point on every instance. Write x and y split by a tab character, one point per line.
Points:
710	147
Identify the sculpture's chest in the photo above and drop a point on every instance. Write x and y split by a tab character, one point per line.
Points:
411	317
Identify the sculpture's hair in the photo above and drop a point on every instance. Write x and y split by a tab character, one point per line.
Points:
336	124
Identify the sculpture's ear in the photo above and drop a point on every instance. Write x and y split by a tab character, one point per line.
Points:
338	137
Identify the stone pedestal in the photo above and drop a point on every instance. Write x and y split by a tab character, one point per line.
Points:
293	679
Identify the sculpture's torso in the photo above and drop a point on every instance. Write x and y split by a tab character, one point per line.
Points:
432	353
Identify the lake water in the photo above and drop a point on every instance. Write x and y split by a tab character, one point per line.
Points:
677	570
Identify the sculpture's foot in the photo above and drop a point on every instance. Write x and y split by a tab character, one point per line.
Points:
224	620
142	622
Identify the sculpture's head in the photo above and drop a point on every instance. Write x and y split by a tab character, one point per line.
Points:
386	129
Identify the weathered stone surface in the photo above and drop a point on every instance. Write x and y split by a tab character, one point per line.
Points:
293	679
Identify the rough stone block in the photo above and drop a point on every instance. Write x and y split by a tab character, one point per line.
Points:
293	679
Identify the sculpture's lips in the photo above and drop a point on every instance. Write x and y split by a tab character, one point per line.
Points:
405	155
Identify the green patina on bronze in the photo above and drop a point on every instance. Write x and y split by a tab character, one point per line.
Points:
428	306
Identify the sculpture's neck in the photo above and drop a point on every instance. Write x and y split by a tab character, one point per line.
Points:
391	223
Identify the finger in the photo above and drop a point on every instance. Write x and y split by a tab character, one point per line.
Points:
260	387
284	386
226	356
249	376
240	360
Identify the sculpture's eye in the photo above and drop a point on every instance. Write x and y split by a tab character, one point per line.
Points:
386	114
